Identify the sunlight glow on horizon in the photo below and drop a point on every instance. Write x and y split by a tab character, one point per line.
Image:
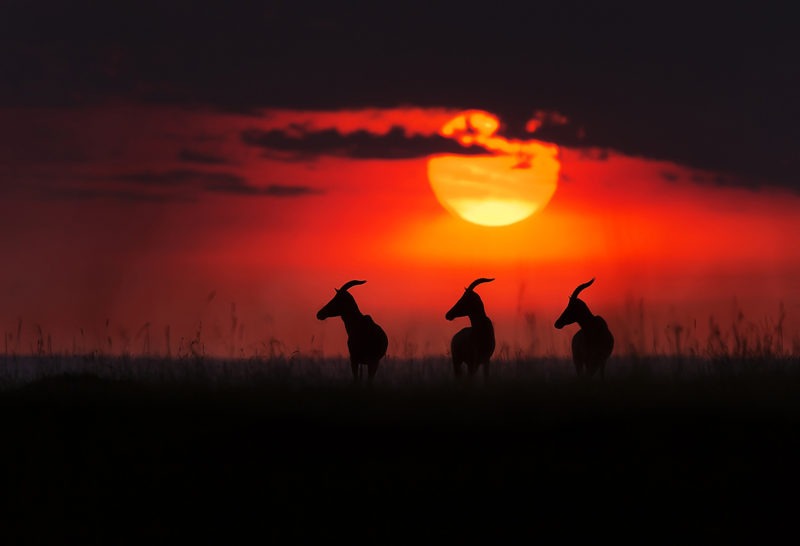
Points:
649	230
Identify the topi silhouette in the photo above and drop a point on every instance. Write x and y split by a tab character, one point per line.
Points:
473	345
593	343
366	341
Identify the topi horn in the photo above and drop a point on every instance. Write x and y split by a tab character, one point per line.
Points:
580	289
350	284
476	282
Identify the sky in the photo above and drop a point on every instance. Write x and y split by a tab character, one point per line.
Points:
213	171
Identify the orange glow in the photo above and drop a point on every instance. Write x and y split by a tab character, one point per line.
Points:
498	190
542	117
533	125
650	231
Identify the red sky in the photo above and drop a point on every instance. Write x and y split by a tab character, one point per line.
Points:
162	215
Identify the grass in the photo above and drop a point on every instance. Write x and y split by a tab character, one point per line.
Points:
120	449
692	435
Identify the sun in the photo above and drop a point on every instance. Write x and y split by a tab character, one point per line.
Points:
490	191
513	181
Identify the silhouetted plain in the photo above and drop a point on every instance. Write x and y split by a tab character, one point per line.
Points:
366	341
593	343
473	345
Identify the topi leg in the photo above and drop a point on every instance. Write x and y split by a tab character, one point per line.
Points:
372	367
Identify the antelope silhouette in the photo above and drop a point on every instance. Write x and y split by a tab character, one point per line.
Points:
473	345
366	341
593	343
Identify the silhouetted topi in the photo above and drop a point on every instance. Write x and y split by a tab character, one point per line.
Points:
593	343
366	341
473	345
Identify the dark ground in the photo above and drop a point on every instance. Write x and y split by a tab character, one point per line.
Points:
702	461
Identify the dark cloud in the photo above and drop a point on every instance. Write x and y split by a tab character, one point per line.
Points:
182	177
691	83
669	176
77	193
215	182
177	186
279	190
719	180
273	190
134	195
171	186
359	145
193	156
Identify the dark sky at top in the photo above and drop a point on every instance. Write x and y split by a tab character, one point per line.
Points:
711	86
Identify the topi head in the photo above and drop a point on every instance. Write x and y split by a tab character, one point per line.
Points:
576	308
470	302
341	303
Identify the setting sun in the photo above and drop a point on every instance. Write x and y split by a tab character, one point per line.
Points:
490	191
517	180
